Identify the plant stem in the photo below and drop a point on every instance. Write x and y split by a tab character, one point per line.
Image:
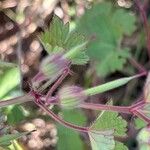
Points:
57	83
138	66
142	116
144	17
17	100
38	77
110	85
61	121
93	106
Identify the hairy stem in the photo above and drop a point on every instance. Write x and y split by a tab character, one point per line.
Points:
61	121
17	100
38	77
93	106
142	116
57	83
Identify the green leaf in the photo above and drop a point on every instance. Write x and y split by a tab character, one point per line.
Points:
119	59
9	80
108	25
81	58
56	35
107	122
15	114
102	140
139	123
125	22
120	146
115	123
6	65
58	39
6	139
143	139
69	139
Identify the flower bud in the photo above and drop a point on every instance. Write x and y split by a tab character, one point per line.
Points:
71	97
53	65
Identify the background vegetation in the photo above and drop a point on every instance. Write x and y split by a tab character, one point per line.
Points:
118	35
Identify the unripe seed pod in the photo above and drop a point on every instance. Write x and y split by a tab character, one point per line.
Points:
54	65
71	97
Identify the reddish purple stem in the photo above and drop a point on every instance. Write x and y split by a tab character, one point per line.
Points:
138	66
121	109
57	83
16	100
61	121
39	77
144	17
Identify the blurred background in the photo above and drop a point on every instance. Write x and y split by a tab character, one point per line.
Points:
117	48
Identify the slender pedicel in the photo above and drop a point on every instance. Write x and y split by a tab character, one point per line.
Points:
57	83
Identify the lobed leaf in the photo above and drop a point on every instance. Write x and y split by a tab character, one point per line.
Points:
116	123
70	140
102	140
108	125
120	146
143	139
108	25
58	39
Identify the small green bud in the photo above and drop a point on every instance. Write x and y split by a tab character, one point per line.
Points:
71	97
53	65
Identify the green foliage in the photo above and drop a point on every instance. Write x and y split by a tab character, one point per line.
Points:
118	60
6	65
69	139
3	128
15	114
139	123
58	39
9	80
9	87
112	125
5	140
108	26
143	139
115	122
103	140
120	146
